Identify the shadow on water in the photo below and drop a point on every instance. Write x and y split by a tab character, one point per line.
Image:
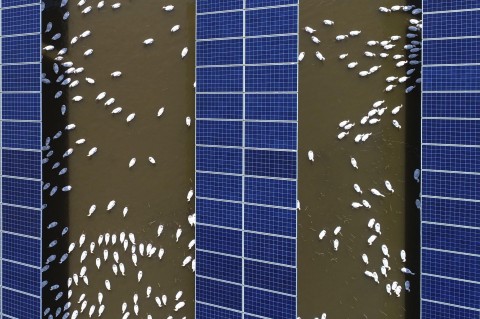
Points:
57	206
412	188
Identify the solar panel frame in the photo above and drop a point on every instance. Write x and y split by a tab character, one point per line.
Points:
450	232
266	101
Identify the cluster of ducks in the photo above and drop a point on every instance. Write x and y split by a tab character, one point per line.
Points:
372	117
106	250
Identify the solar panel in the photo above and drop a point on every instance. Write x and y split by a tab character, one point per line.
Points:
21	158
246	158
450	281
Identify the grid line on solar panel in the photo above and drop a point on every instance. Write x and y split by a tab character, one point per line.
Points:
451	211
21	20
438	310
445	264
247	231
208	311
20	305
451	291
445	5
451	24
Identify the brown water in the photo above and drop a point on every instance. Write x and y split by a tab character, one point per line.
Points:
329	281
152	77
155	76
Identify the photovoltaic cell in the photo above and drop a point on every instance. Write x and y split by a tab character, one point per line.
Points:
459	104
444	264
21	20
21	106
203	311
446	5
450	285
438	311
219	293
449	211
451	24
20	168
21	49
246	159
215	5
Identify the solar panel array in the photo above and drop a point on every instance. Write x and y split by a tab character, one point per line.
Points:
450	283
21	168
246	158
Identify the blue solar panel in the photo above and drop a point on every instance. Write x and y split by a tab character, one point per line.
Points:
20	168
271	277
219	213
444	264
18	305
21	20
270	220
21	192
219	186
220	79
450	282
219	266
26	135
445	5
449	158
451	24
451	185
21	278
220	240
271	192
21	106
449	211
219	106
220	52
219	293
451	51
432	310
282	20
21	77
21	49
21	163
447	131
219	159
21	220
467	78
281	49
271	107
455	292
203	311
271	78
271	163
215	5
271	135
270	248
269	3
226	133
21	249
246	159
220	25
461	104
457	239
270	305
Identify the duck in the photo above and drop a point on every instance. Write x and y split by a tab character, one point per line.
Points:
132	162
175	28
184	52
375	192
366	204
396	109
396	124
377	228
309	30
335	244
403	255
337	230
365	259
353	161
319	56
351	65
385	250
328	22
342	135
371	223
315	39
388	185
322	234
148	41
130	117
311	157
356	205
357	188
371	239
406	271
301	55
